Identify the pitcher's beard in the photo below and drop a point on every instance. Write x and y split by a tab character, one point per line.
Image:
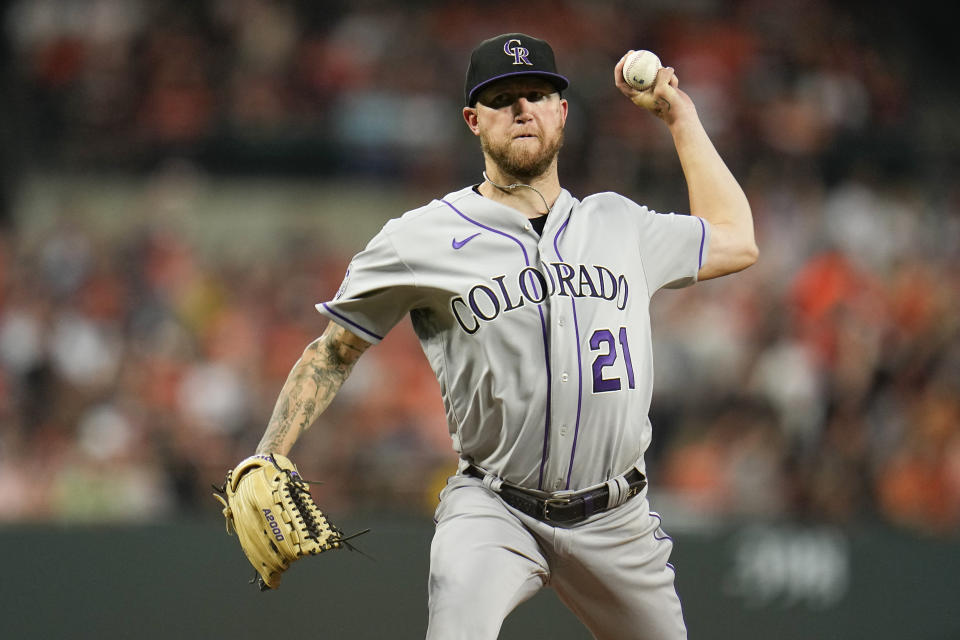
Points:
521	163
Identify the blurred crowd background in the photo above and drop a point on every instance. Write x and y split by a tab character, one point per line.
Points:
142	347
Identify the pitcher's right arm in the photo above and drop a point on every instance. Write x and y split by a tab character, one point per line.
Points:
311	386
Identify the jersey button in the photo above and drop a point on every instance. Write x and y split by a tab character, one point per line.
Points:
561	322
527	227
558	484
564	377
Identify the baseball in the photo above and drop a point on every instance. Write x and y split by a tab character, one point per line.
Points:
640	69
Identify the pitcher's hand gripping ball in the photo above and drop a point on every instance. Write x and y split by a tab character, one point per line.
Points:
277	522
640	69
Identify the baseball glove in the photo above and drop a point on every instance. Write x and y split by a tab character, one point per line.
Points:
277	522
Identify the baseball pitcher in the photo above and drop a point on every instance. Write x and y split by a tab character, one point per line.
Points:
532	308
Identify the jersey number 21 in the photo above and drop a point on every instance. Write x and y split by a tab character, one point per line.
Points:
604	340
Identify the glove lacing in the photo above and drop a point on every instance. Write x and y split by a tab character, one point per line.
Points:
300	496
299	492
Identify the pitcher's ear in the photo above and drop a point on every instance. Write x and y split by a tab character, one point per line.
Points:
470	117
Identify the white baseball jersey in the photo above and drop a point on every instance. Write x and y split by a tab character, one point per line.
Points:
541	343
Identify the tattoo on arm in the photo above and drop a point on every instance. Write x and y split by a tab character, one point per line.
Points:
663	106
311	386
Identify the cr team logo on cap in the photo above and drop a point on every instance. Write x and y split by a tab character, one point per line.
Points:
516	49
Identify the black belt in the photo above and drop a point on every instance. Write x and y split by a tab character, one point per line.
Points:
568	509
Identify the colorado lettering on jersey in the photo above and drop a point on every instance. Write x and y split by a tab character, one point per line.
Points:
485	302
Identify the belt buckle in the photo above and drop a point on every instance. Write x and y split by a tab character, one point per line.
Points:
548	502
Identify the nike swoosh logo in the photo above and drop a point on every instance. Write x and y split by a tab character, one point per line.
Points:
459	245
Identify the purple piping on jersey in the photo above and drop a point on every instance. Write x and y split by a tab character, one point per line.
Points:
350	322
543	329
703	236
546	426
576	330
660	526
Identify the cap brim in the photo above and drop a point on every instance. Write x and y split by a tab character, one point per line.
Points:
555	79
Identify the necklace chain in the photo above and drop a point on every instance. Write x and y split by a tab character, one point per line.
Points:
511	187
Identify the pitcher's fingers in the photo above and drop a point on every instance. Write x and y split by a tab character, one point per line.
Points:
665	75
618	69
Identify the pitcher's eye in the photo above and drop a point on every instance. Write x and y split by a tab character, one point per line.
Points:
509	98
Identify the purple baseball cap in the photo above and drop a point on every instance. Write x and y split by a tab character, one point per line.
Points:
506	56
